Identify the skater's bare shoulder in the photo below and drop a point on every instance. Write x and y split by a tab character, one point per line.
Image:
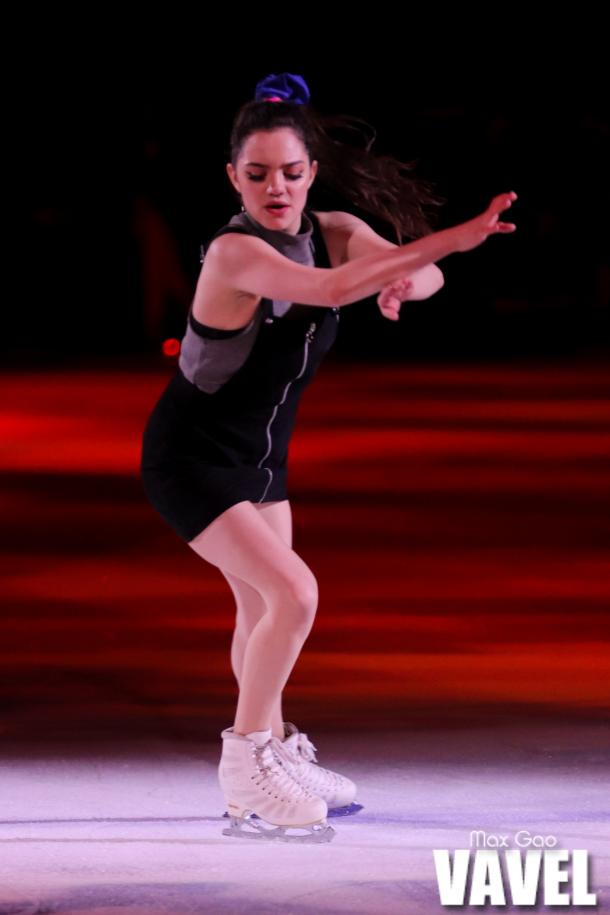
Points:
348	237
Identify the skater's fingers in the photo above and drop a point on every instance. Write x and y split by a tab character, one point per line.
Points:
501	202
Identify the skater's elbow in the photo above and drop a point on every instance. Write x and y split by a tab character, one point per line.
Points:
426	281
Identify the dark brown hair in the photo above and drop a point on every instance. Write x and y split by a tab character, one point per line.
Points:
377	184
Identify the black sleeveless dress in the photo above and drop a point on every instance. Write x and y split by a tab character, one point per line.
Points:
220	431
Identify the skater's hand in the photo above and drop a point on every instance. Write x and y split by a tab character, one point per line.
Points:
392	295
474	232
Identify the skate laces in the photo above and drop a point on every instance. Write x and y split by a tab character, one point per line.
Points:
296	753
295	749
306	748
265	760
272	772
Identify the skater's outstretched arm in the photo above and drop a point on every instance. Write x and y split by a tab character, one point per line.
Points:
252	266
364	276
358	239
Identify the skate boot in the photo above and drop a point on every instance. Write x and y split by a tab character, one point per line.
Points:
255	785
297	756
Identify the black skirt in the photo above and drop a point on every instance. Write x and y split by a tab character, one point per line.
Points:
202	453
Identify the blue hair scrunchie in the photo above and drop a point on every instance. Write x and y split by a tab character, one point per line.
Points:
283	87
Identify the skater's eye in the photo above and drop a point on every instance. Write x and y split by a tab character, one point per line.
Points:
260	177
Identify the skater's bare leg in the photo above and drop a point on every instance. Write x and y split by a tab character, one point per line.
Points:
250	604
243	544
250	609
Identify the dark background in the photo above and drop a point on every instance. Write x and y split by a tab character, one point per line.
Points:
121	135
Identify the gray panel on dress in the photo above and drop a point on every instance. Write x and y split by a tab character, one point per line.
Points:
209	362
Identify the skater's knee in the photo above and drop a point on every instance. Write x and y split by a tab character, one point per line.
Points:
298	601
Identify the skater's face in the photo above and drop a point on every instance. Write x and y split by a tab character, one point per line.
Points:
273	167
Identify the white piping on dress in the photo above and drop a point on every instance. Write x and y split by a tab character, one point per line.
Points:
308	339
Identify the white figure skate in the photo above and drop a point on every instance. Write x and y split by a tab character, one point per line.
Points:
296	753
254	784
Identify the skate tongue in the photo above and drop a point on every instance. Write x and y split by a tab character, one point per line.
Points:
265	755
259	737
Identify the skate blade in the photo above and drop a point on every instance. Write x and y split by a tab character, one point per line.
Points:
347	811
315	832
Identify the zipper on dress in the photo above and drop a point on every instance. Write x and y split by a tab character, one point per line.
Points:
308	339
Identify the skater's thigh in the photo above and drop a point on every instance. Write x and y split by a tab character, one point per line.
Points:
278	516
244	544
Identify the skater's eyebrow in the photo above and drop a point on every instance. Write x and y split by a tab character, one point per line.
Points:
285	165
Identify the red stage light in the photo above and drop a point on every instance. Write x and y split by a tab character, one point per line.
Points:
171	347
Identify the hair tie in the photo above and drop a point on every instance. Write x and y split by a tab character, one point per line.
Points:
283	87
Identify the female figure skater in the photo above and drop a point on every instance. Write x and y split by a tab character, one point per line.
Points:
214	451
